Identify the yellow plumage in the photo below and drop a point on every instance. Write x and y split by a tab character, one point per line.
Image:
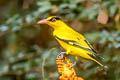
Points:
73	42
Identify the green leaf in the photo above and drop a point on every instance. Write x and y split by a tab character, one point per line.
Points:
3	28
113	9
44	6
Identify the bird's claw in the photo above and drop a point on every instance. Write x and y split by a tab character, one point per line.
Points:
73	64
61	55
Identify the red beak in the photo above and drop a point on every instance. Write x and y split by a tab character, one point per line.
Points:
44	21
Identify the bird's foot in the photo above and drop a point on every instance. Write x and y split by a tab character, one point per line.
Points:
73	64
62	54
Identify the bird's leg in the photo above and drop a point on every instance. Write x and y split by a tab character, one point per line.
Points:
68	51
62	54
76	57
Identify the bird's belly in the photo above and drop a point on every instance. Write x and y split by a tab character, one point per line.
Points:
79	52
75	50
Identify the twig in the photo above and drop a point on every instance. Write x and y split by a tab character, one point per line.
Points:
66	69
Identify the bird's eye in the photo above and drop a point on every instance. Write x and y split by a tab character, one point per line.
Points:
53	19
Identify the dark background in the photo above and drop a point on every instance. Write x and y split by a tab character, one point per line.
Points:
28	51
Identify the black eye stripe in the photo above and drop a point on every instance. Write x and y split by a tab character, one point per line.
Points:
57	18
54	19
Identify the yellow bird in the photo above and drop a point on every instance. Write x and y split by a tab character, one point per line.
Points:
73	42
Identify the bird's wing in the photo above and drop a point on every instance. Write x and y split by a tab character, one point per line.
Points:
84	45
77	42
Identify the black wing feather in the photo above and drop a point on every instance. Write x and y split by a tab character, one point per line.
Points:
68	41
96	58
90	46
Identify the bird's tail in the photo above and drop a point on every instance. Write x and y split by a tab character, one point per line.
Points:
104	67
95	58
99	62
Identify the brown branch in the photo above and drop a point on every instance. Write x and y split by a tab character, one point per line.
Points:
66	69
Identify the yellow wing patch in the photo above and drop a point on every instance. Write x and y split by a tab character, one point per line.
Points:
76	44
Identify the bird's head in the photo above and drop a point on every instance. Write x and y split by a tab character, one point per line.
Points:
53	21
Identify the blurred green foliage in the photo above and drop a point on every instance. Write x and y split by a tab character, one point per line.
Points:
28	51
